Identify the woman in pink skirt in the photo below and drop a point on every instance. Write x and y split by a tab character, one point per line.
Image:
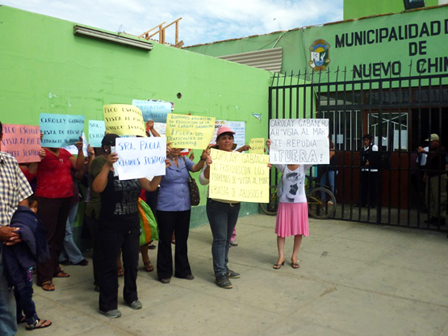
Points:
292	214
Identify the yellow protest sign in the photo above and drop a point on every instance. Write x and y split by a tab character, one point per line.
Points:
123	119
239	177
186	131
256	146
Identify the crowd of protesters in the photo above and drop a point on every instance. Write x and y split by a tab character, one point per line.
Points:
39	205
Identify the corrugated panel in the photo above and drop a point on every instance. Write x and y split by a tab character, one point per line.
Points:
268	59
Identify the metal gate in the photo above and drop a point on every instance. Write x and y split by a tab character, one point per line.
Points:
400	114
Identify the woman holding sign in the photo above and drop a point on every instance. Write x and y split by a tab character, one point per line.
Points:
292	214
173	215
119	229
222	216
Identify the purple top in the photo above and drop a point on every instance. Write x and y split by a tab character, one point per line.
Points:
174	194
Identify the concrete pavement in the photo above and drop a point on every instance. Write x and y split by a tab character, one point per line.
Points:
354	279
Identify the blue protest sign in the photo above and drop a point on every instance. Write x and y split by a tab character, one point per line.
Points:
153	110
97	130
60	130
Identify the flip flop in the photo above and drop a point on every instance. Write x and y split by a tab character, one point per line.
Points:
148	266
62	274
47	286
38	324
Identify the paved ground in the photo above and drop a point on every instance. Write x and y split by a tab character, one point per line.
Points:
355	279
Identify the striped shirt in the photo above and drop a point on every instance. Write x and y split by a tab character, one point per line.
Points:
14	187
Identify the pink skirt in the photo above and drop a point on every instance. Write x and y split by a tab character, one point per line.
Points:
292	219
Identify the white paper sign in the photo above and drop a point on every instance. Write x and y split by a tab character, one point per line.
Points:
299	141
140	157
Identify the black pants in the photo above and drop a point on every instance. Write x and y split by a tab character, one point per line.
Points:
54	213
94	225
179	222
114	237
24	299
368	189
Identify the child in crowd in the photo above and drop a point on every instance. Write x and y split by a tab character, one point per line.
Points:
20	259
292	214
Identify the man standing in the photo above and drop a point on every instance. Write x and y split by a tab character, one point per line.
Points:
14	191
369	173
436	181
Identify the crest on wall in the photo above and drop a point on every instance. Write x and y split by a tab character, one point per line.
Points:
319	55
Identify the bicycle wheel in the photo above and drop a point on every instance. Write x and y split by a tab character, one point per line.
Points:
321	203
271	207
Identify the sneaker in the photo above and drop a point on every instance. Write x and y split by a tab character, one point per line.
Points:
232	275
114	313
136	305
233	243
223	282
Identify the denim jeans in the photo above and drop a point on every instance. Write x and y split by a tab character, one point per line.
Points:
222	218
70	250
327	179
8	324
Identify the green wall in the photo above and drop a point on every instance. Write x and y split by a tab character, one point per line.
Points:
391	54
46	68
354	9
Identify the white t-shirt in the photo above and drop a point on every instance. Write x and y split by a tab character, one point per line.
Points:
293	184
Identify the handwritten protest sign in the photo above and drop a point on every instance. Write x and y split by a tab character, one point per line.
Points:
140	157
256	146
97	130
22	142
239	177
72	149
153	110
186	131
123	119
299	141
60	130
239	127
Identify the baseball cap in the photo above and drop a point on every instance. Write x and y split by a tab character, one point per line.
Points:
433	137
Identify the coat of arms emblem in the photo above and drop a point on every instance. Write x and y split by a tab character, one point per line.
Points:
320	51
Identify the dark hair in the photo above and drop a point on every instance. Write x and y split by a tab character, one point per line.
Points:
1	128
31	199
367	136
226	133
109	140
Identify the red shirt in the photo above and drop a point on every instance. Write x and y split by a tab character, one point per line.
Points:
27	174
53	175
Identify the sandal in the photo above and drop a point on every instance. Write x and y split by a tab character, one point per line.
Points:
47	286
38	324
295	265
148	266
277	266
120	272
62	274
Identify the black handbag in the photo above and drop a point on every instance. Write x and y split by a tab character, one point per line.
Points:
195	197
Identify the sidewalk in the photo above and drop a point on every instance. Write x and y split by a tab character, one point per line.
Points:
354	279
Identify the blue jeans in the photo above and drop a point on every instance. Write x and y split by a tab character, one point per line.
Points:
327	179
70	251
24	299
222	218
8	323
